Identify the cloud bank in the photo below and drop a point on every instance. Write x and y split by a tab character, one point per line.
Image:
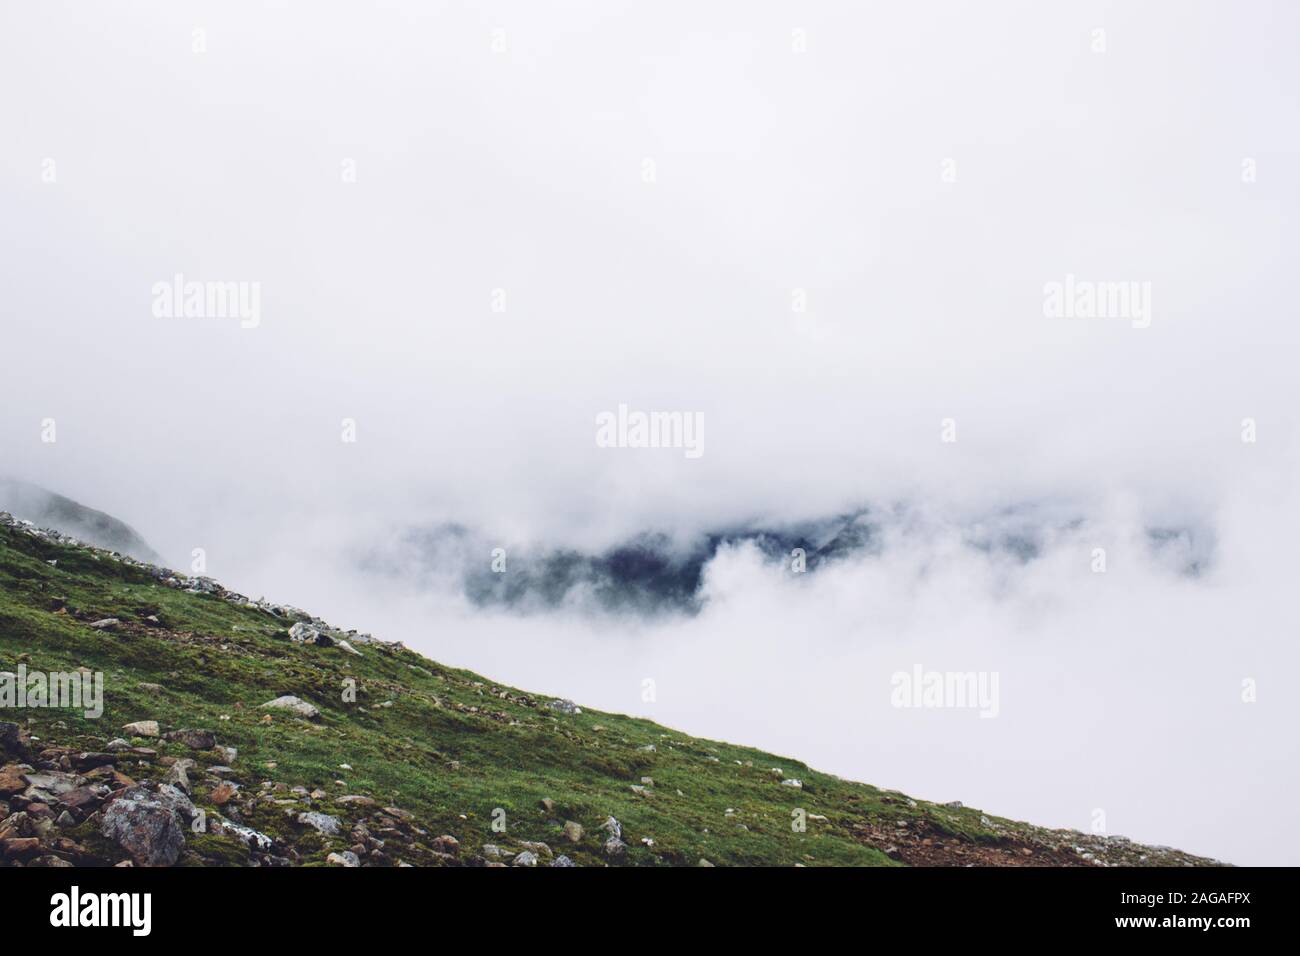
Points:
837	236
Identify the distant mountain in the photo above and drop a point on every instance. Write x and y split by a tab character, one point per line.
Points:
49	510
652	572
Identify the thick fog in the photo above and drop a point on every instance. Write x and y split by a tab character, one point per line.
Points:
827	233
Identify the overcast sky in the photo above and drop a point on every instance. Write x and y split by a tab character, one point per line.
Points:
650	190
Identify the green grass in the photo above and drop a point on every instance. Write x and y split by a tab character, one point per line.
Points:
451	749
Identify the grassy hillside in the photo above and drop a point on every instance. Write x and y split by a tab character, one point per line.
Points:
423	753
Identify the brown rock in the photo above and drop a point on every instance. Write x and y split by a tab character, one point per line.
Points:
194	739
89	761
445	844
16	848
82	797
357	800
113	778
11	780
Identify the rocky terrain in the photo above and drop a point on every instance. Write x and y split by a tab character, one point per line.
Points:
237	731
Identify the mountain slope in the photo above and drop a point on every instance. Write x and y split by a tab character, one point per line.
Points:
50	510
426	765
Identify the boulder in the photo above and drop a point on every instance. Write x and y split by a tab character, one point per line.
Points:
150	825
142	728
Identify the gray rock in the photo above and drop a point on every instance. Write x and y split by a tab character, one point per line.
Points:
51	782
294	705
527	858
346	858
562	861
573	831
149	825
142	728
247	835
304	633
614	847
322	822
178	774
